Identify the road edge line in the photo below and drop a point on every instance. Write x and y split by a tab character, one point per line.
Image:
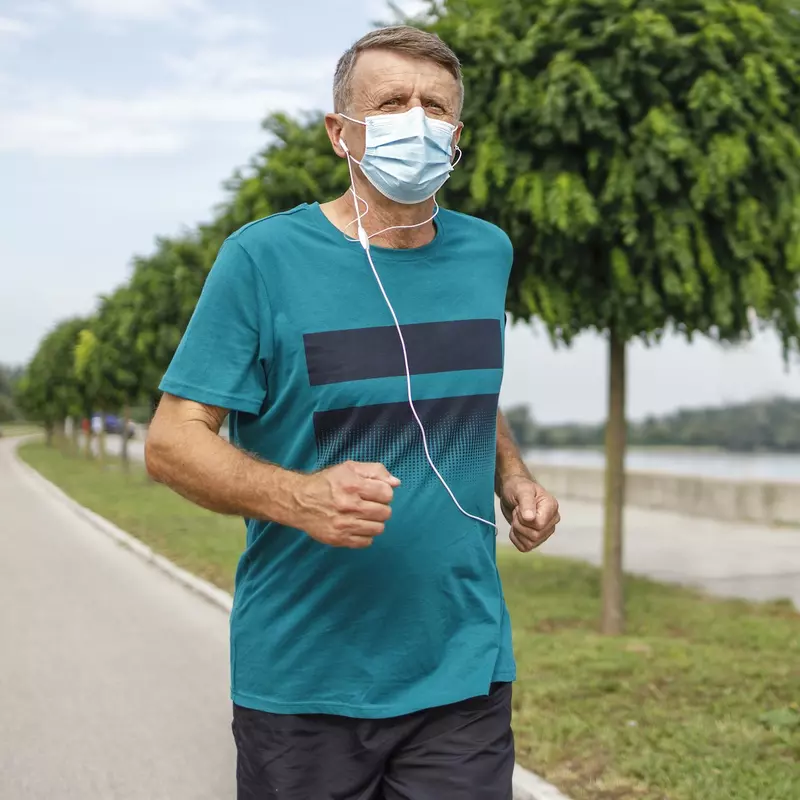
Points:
527	785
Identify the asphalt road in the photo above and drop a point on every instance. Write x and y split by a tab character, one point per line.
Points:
113	678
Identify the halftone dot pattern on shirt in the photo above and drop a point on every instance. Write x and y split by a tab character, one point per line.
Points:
461	433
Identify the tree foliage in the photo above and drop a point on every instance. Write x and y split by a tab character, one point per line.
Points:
50	390
643	155
9	378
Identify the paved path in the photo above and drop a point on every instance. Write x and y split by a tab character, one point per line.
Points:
737	560
113	679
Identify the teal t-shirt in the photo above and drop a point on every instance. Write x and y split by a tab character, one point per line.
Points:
291	334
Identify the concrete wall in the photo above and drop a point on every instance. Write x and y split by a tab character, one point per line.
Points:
765	503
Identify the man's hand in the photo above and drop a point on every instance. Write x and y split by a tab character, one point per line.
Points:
346	505
530	510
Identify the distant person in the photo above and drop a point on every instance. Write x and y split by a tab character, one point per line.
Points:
371	649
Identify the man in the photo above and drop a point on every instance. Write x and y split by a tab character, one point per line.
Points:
358	347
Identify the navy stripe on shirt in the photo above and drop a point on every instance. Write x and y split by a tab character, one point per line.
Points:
363	353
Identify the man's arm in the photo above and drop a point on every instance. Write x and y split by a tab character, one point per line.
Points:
530	510
509	460
345	506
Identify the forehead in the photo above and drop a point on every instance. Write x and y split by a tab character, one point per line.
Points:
379	70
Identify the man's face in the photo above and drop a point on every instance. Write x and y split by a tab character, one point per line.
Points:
385	82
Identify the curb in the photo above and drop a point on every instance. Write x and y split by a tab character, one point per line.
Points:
527	785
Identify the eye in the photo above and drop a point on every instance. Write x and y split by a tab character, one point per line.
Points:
393	103
435	106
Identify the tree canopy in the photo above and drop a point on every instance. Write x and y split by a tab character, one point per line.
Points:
643	155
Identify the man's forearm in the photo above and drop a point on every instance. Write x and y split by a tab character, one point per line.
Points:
201	466
509	458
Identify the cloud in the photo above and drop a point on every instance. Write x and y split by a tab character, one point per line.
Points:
381	9
136	10
216	26
218	85
198	18
154	123
231	77
14	27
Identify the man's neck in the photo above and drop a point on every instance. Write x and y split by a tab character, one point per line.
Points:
382	214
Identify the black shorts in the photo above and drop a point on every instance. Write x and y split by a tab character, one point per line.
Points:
463	751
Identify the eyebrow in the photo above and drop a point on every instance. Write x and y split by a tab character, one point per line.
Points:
391	93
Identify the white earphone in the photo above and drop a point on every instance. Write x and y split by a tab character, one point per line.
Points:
363	240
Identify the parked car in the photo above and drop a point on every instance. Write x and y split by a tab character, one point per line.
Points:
114	424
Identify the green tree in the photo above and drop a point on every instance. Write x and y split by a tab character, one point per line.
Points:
107	360
162	293
48	392
9	377
644	157
297	166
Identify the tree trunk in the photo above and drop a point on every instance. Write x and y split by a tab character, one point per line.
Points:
613	602
101	439
49	429
60	434
87	444
126	421
76	435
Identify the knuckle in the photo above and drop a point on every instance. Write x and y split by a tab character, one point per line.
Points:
344	503
340	524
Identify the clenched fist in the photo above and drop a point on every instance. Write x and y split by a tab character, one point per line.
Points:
346	505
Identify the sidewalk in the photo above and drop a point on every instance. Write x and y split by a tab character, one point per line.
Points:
114	678
733	560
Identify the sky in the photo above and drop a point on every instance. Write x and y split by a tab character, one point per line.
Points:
120	119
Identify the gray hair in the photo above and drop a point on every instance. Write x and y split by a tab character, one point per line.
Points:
399	39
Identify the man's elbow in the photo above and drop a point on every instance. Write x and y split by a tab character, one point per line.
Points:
156	450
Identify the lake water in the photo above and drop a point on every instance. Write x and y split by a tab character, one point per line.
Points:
707	463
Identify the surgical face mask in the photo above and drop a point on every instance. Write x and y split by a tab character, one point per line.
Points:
408	156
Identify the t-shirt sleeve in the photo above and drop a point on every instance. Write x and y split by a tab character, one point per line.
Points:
223	356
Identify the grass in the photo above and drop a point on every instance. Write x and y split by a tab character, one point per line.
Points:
697	702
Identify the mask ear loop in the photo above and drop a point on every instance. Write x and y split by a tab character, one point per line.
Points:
356	198
460	153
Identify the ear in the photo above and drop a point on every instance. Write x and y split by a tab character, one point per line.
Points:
457	152
334	125
457	134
